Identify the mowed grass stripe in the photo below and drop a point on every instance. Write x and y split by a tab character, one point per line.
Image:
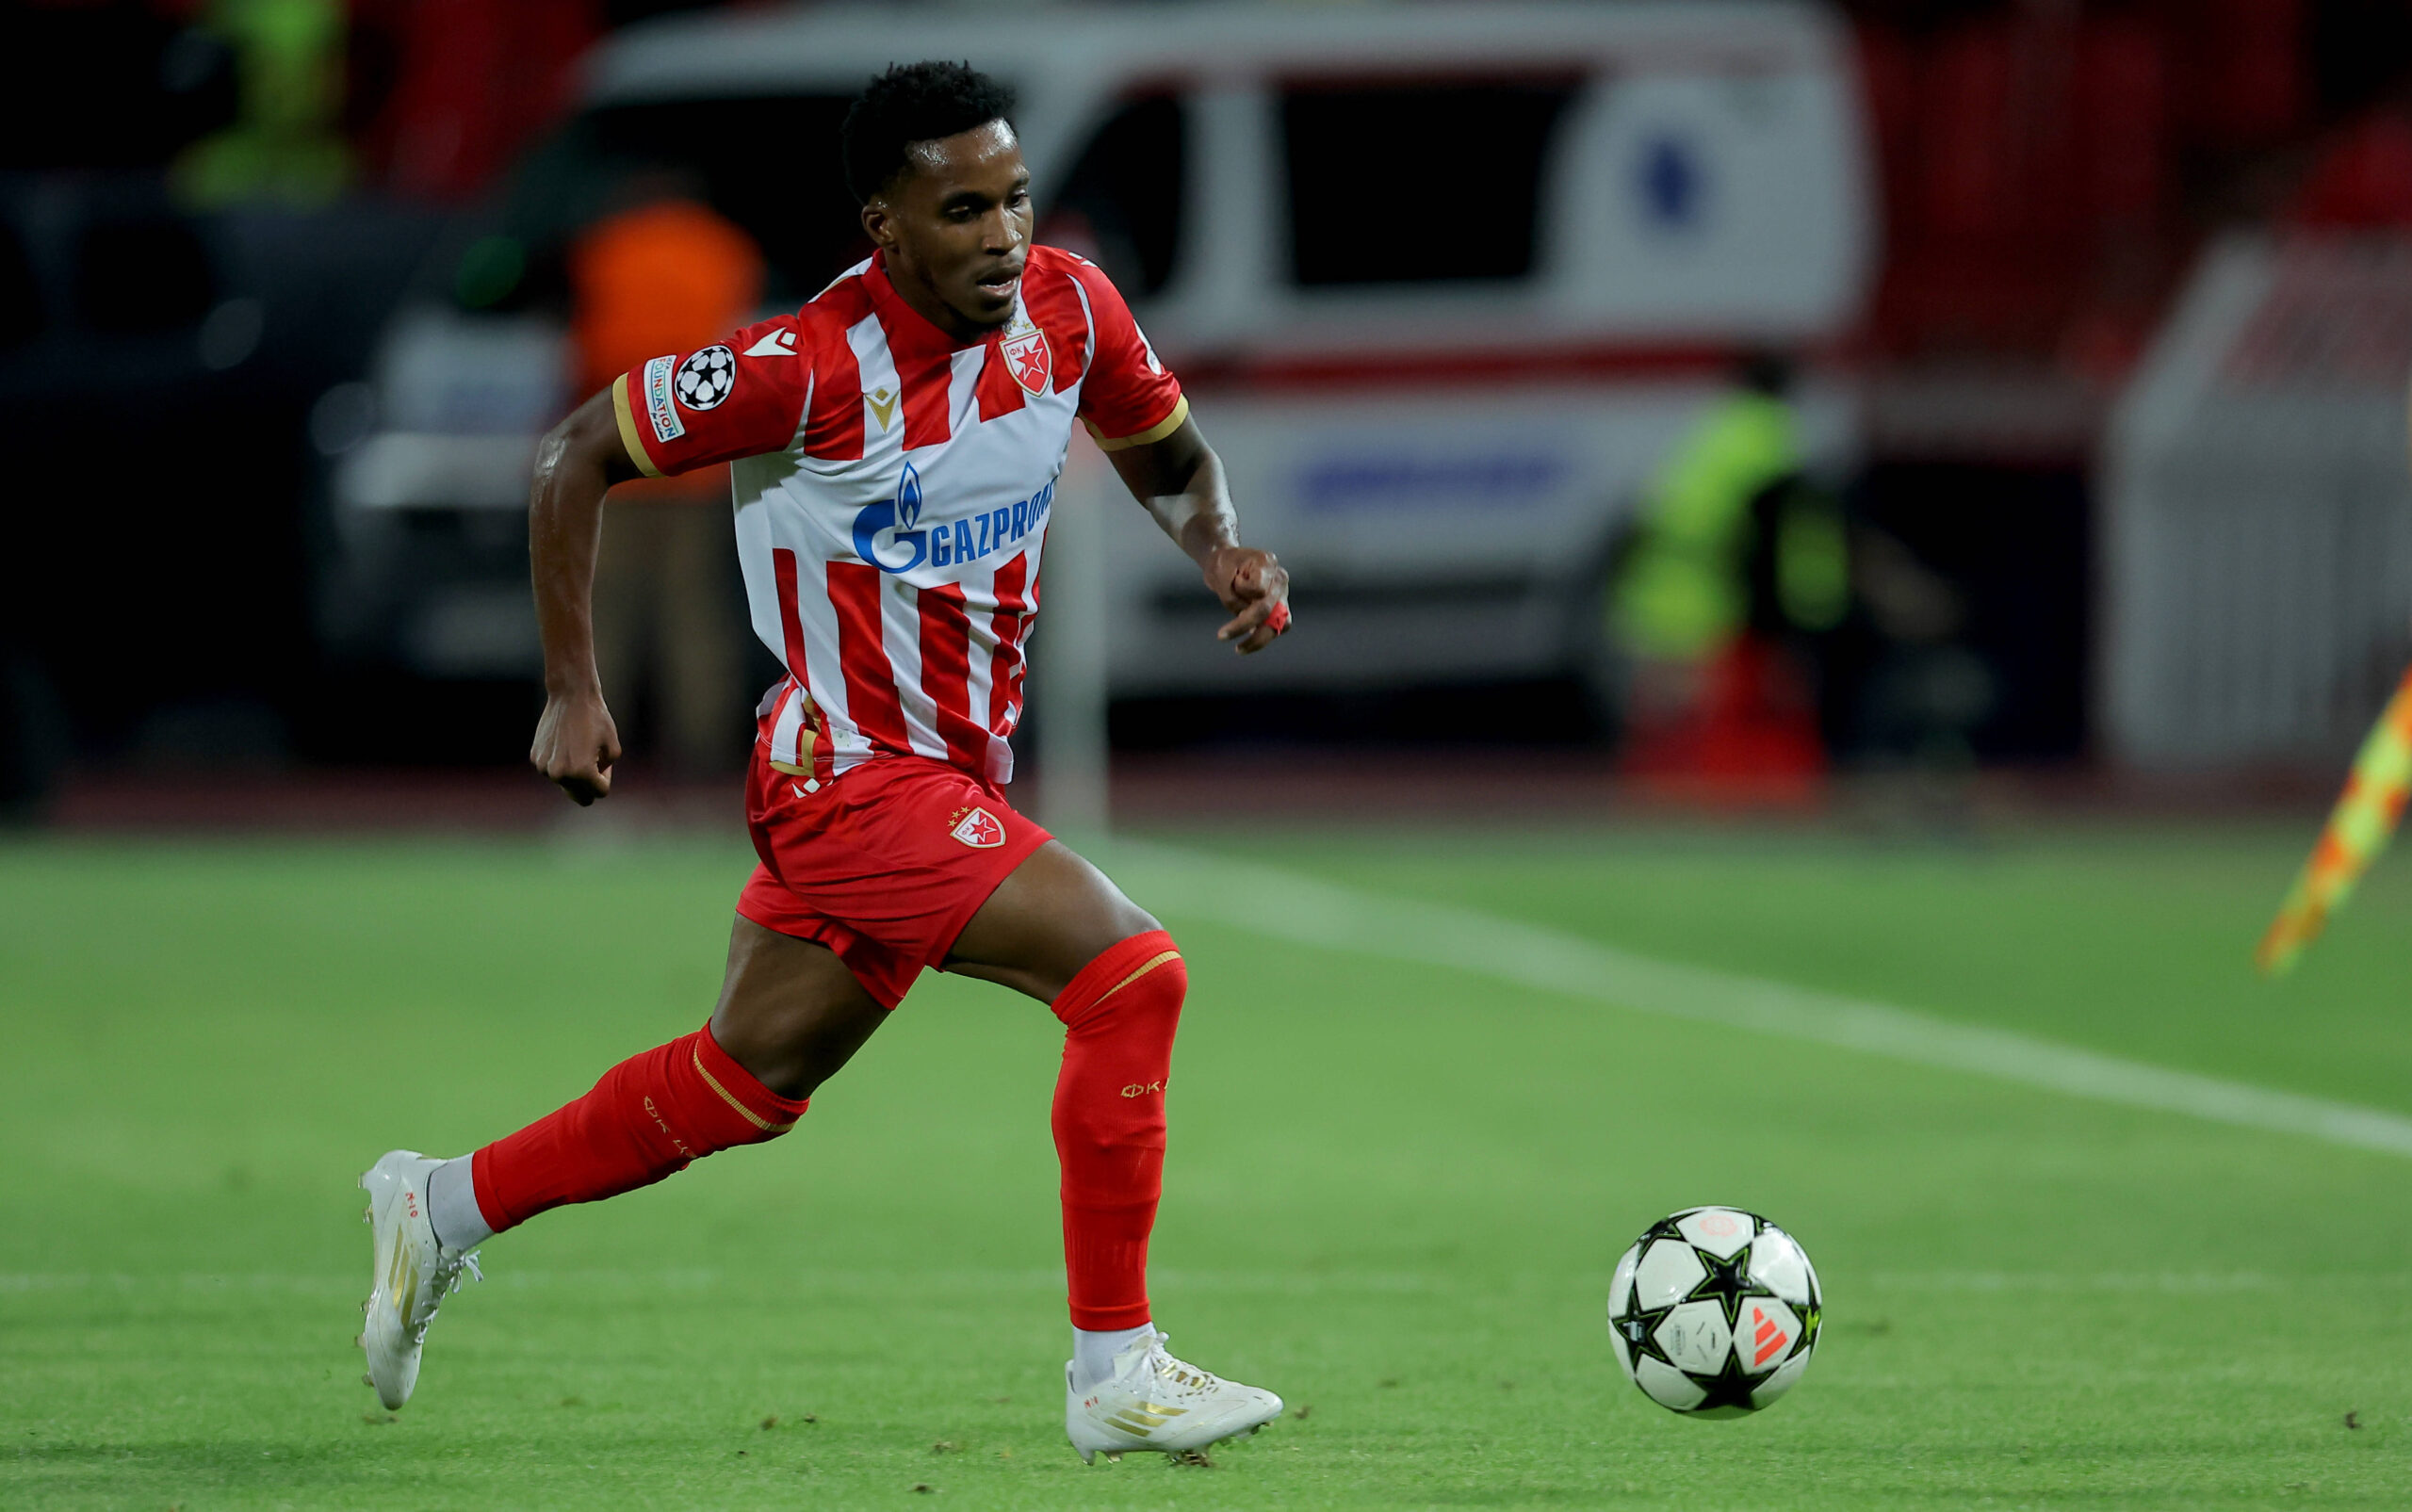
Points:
1309	911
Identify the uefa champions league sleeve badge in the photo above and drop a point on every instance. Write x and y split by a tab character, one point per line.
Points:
704	379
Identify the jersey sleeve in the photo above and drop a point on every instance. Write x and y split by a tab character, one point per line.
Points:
1128	398
738	397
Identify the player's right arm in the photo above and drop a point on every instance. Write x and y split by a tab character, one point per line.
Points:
576	741
739	398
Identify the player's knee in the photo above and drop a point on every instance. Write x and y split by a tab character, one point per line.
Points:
1098	938
1131	919
1103	915
700	1099
781	1063
1136	984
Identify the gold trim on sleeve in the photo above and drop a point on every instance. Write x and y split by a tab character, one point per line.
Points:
628	428
1149	436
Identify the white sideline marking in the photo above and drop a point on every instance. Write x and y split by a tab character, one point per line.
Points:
1286	905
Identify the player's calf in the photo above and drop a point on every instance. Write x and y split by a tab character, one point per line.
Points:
647	1118
1122	1391
1120	1016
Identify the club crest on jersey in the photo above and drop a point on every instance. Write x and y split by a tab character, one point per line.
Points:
1029	359
979	830
899	520
704	379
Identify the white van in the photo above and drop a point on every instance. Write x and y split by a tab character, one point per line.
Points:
1443	281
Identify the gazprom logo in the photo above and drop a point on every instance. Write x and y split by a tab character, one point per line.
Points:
882	531
898	521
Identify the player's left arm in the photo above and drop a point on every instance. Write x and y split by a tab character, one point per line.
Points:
1135	410
1180	481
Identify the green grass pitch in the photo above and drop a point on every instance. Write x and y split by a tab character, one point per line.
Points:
1394	1194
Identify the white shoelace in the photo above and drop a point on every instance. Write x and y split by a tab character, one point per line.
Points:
1164	1367
446	1281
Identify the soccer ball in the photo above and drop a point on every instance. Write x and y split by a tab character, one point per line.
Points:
1714	1312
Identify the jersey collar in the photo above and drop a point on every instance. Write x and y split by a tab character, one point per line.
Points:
909	326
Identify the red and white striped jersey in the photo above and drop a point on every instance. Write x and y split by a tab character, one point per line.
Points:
892	491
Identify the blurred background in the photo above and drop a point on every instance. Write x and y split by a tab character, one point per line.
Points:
1902	402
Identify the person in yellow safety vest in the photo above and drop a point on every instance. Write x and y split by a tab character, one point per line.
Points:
1731	555
285	142
1682	591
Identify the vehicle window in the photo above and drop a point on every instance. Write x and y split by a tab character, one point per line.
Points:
1417	183
1120	205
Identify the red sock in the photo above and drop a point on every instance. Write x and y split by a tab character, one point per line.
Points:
1120	1014
647	1118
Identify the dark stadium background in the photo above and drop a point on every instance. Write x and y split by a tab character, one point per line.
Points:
166	519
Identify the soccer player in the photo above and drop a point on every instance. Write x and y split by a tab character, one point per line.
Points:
895	447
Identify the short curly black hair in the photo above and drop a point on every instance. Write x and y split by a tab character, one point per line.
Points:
913	103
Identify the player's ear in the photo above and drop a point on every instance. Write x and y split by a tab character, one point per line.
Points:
877	225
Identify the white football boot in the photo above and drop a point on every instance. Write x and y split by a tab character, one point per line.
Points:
1154	1401
414	1273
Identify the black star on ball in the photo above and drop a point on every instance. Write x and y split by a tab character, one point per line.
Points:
1728	1388
1640	1330
1727	1283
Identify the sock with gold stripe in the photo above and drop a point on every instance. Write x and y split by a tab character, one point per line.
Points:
1120	1014
646	1119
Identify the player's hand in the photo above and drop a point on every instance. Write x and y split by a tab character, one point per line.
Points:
1254	586
575	746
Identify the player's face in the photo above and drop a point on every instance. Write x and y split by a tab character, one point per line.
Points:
956	227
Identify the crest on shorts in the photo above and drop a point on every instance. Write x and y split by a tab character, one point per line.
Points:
979	830
1028	358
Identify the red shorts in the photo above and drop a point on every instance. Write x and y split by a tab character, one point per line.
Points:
885	865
